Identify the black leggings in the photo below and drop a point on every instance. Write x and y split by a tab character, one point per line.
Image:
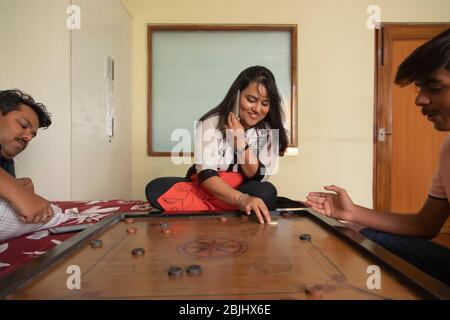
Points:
264	190
426	255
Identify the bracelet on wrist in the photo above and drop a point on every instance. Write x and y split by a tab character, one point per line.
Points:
238	202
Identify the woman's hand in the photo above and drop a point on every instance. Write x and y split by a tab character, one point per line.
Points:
237	129
248	204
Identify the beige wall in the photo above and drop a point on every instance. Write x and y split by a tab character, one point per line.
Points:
35	57
336	71
101	166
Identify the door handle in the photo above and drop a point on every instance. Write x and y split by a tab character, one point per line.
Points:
382	133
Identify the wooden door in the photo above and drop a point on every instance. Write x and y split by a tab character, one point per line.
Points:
406	145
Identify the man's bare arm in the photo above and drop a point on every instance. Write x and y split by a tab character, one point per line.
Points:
30	207
426	223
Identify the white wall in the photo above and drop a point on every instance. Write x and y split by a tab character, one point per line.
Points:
35	57
101	167
72	159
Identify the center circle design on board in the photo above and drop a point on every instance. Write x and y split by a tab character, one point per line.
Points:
216	247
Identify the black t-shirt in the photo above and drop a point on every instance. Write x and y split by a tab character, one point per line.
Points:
7	165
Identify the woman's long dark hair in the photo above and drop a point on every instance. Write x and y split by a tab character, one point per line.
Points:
274	117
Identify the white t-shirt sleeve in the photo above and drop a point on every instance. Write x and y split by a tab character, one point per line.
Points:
206	145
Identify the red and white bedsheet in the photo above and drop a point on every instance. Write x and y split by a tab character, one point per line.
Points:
17	251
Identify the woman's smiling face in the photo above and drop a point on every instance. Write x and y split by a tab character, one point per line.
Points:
254	104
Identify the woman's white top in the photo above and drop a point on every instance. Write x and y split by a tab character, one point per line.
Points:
213	152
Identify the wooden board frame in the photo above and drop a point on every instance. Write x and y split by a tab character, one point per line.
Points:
419	280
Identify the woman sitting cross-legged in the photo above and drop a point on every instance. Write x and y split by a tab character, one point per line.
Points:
237	145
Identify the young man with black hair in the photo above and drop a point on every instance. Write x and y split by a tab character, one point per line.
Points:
21	210
406	235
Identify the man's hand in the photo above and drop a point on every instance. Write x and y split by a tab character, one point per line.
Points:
32	208
27	183
257	205
19	193
337	205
